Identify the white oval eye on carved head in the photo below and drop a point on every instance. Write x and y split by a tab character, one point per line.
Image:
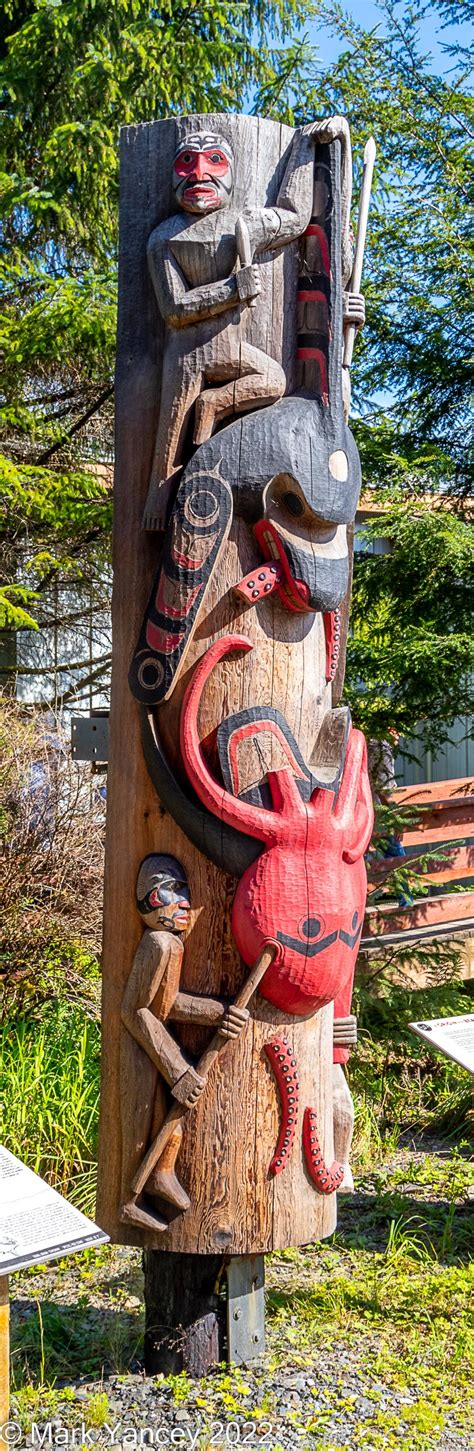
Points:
339	466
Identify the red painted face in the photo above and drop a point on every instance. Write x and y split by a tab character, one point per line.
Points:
202	178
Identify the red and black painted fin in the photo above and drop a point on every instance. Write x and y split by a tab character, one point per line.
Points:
319	297
326	1180
258	740
280	1055
197	531
254	742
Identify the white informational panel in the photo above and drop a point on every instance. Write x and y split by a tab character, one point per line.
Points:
36	1223
453	1036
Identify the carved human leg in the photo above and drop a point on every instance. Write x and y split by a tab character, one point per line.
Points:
140	1091
164	1182
343	1111
253	380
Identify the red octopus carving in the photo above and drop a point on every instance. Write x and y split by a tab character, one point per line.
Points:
307	889
326	1180
280	1054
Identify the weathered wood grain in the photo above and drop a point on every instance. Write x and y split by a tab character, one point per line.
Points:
227	1146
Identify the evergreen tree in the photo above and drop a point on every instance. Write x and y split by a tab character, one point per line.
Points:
71	74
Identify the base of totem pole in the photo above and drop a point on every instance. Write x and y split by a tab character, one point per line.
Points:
201	1310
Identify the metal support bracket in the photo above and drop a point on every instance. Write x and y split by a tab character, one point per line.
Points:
245	1308
90	737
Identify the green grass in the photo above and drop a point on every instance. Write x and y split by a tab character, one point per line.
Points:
393	1287
49	1096
49	1086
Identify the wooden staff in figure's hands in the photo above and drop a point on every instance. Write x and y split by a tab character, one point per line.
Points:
234	1020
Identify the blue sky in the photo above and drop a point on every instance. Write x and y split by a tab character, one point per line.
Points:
368	14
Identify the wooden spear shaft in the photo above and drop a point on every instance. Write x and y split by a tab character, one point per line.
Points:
204	1066
367	174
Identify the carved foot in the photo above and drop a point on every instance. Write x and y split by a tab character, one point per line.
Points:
205	416
133	1213
167	1186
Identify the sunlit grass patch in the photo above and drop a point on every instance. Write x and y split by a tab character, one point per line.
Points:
49	1095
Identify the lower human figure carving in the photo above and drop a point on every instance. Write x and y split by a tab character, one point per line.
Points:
150	1056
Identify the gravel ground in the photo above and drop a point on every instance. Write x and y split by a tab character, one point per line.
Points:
344	1387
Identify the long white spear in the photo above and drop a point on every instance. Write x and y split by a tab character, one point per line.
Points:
369	159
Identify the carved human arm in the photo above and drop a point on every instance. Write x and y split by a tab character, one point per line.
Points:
181	306
160	1046
152	959
276	226
289	218
187	1008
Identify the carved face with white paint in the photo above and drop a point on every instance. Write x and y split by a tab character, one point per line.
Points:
311	549
162	891
203	173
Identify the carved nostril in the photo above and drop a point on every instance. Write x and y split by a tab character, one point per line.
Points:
338	465
294	504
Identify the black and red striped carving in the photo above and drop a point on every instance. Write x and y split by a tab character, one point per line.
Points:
280	1054
325	1180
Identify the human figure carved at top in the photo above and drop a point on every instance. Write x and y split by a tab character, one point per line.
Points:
205	279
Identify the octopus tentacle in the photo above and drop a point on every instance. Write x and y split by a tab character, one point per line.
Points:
280	1055
326	1180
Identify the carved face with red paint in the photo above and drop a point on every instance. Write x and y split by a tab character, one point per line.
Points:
203	173
163	894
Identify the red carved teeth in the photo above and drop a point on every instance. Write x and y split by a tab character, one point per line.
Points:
325	1180
280	1054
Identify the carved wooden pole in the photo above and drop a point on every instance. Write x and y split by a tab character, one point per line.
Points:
238	805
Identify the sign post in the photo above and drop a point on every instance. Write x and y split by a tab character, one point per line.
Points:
4	1355
36	1224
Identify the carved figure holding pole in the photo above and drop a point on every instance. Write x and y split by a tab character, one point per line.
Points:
150	1054
204	263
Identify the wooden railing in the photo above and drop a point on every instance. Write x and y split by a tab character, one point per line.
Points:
446	820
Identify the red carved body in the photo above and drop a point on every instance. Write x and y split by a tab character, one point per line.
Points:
308	887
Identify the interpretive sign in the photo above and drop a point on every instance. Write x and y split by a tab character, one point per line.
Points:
36	1223
453	1036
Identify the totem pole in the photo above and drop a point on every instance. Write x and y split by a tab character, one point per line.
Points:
239	808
